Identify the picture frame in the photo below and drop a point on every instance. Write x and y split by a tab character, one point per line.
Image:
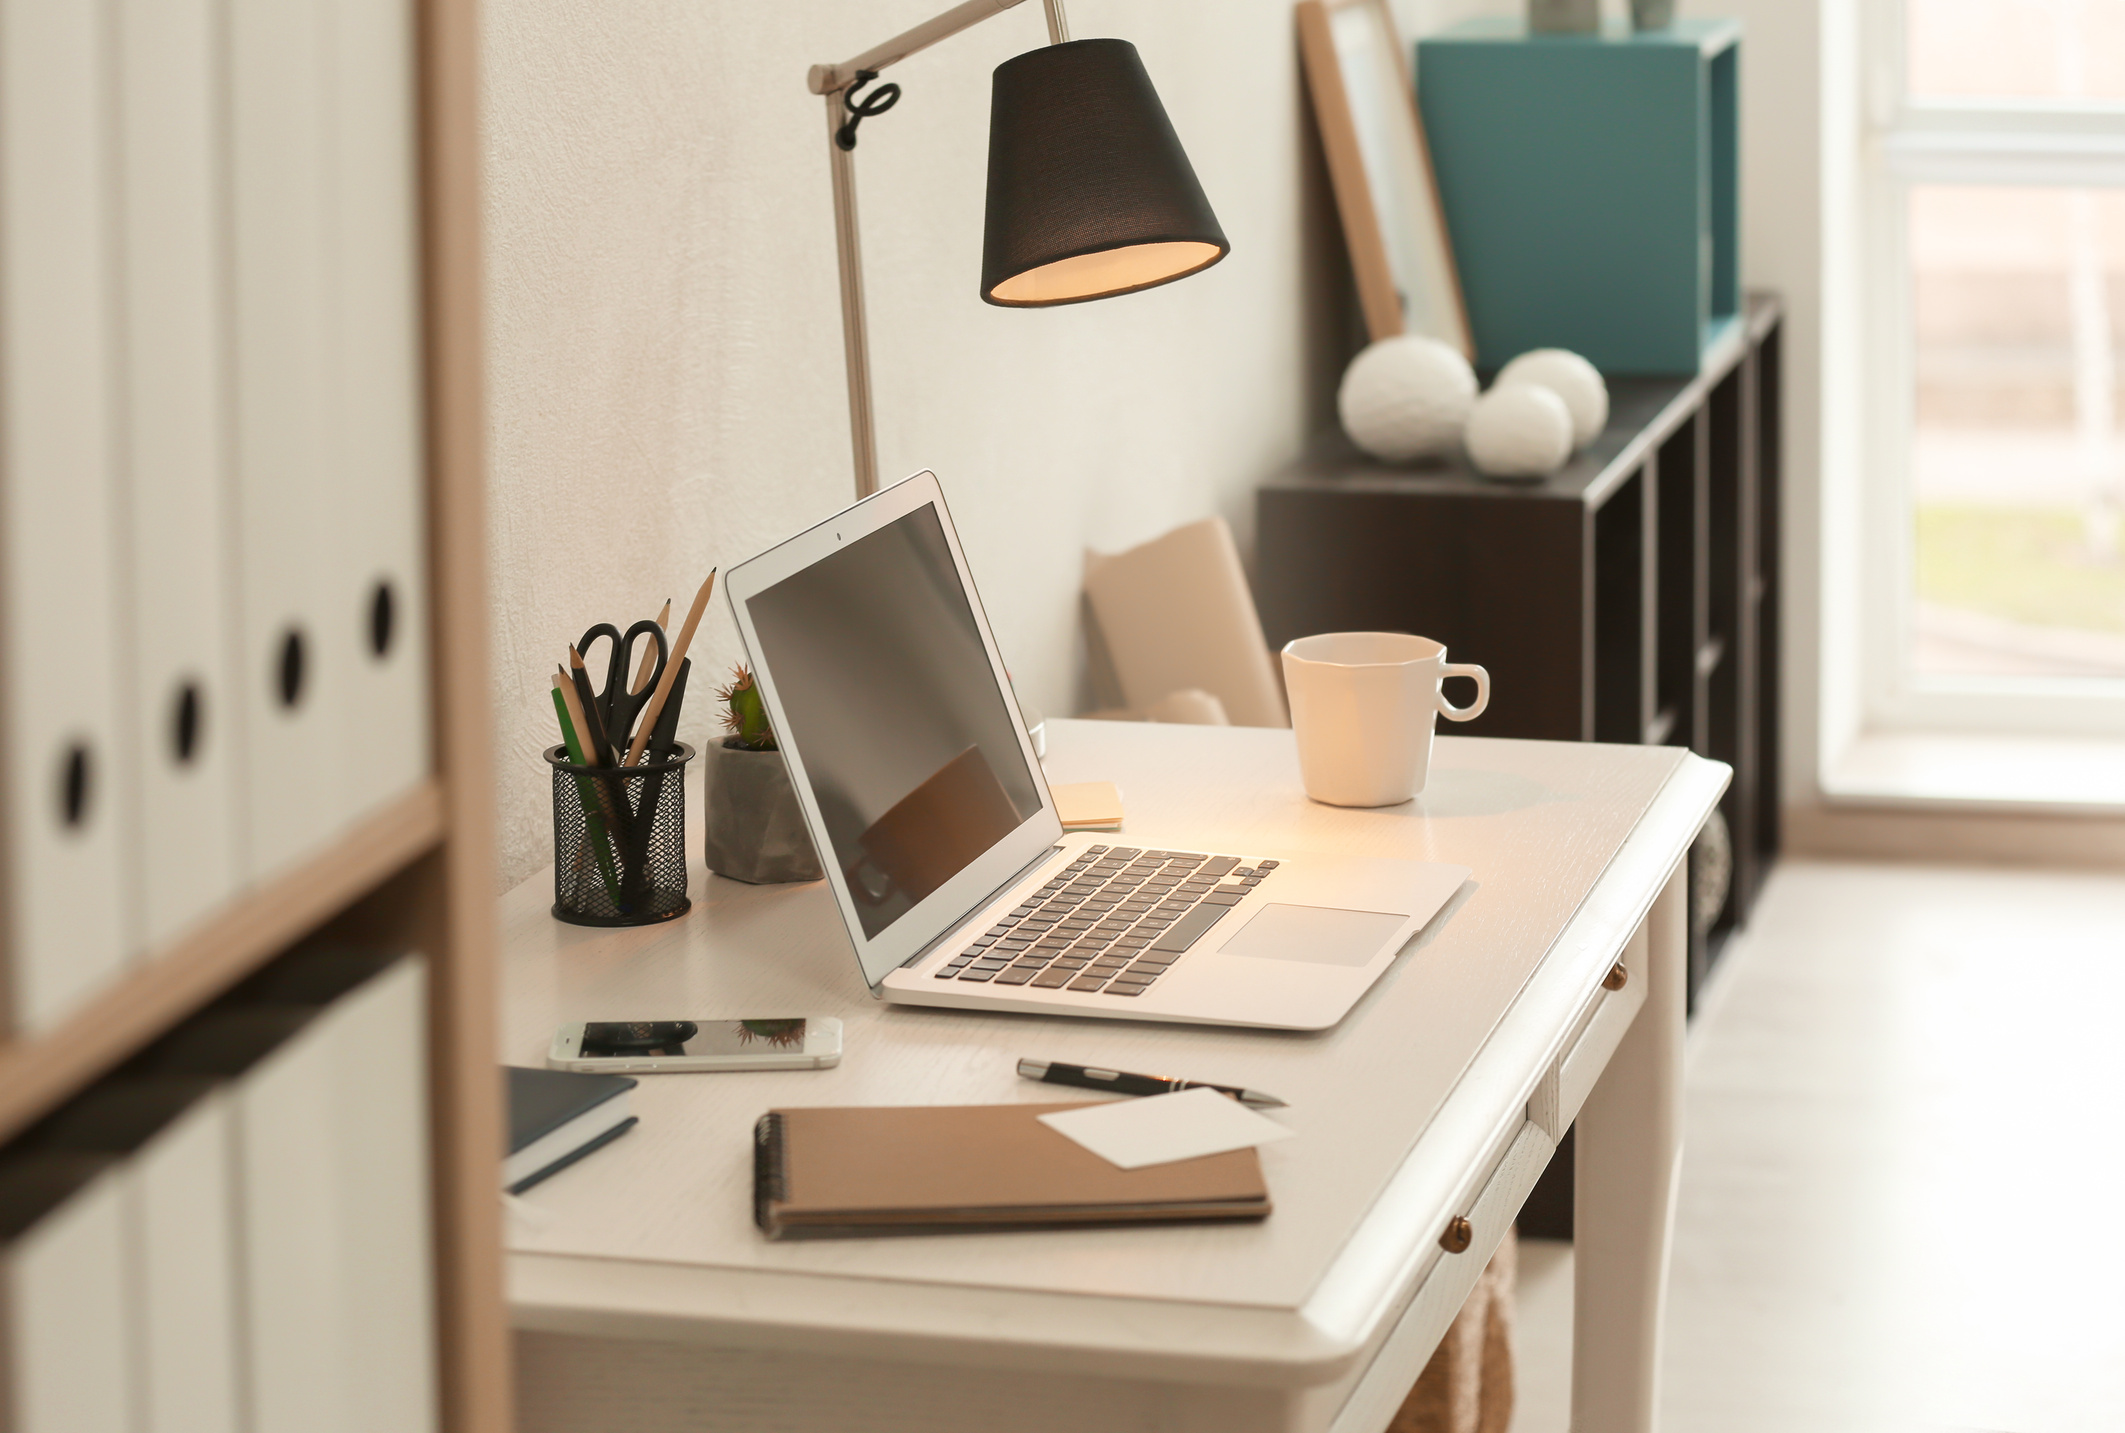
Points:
1364	100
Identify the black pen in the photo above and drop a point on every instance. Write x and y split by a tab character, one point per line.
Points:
1123	1083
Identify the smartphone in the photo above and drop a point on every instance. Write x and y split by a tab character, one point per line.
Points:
657	1046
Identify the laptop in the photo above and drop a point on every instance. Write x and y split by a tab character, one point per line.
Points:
941	842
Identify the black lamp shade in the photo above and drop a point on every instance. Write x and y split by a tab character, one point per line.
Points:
1090	193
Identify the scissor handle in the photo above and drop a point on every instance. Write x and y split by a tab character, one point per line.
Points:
623	704
625	650
590	635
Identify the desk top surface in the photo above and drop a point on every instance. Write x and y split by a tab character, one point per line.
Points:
1537	822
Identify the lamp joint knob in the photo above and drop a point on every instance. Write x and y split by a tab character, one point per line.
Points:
878	101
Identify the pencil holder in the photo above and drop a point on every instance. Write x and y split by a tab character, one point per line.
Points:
619	840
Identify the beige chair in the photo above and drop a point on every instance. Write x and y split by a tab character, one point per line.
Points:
1179	627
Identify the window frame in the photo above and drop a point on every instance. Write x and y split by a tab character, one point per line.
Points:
1909	142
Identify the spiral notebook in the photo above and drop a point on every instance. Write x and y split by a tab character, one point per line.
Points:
932	1169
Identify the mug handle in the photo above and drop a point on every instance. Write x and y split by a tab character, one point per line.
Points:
1473	709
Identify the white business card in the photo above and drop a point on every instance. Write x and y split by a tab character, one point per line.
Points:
1159	1129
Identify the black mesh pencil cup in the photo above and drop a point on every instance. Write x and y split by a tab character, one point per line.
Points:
619	840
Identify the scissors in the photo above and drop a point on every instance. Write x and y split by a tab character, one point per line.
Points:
618	704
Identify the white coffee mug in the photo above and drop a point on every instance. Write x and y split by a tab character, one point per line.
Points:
1362	704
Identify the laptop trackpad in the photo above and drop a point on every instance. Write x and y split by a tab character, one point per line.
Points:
1318	935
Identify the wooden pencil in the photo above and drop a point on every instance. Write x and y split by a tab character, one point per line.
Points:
655	708
574	700
579	676
612	800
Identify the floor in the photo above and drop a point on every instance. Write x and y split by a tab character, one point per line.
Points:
1903	1189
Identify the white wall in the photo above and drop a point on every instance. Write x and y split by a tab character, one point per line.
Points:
665	353
666	374
1839	496
1796	143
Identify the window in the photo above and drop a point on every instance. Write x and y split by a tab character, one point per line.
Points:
1996	196
2015	444
2014	49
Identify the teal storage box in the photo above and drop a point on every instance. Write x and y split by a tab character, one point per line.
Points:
1591	187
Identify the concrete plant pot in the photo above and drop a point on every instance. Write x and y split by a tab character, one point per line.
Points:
754	829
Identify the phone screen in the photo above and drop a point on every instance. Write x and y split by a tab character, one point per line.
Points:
636	1038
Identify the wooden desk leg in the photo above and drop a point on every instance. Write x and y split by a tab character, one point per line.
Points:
1630	1156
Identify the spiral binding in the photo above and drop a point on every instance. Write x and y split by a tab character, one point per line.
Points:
770	1177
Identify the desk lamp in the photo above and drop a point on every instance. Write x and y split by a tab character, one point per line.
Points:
1090	193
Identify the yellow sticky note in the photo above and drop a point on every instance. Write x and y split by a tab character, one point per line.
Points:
1088	806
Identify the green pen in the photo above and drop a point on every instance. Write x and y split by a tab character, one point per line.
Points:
598	839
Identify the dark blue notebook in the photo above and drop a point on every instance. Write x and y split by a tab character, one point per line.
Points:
558	1116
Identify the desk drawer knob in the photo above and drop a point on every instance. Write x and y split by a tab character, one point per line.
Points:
1458	1236
1617	978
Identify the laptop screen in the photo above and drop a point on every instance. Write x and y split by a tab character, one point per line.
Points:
886	688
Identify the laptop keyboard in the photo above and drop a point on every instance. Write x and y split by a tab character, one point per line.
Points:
1112	921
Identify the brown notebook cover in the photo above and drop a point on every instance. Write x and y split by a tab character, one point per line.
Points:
926	1169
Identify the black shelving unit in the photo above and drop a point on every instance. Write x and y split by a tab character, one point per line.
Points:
1630	597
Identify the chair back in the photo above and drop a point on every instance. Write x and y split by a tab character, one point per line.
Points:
1176	613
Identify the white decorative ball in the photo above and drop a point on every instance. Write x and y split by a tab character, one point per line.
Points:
1522	431
1406	397
1571	378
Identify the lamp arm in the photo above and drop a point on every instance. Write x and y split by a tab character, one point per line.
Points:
831	81
855	325
826	79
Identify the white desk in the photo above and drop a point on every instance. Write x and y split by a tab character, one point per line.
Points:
647	1300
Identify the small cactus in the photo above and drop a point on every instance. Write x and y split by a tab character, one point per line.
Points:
745	715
